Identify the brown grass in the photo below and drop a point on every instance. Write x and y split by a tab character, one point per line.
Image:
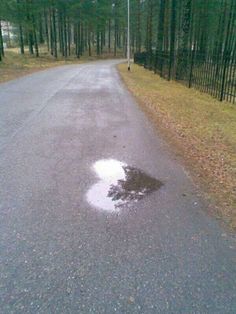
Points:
15	65
201	129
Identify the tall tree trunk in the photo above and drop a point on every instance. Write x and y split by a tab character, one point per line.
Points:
64	27
89	41
109	35
160	39
8	35
46	29
51	33
61	34
81	38
21	39
116	26
227	51
77	41
1	41
149	34
138	34
98	42
41	39
54	33
182	58
35	37
172	38
31	42
69	36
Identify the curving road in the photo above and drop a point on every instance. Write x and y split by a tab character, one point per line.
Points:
61	254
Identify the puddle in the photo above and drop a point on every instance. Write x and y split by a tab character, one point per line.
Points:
119	185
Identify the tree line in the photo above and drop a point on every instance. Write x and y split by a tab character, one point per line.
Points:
67	27
193	41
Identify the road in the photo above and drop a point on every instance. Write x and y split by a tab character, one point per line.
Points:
60	251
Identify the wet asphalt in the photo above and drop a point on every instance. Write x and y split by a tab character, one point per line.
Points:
58	253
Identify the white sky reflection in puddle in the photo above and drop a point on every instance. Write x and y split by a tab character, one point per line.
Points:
109	171
119	185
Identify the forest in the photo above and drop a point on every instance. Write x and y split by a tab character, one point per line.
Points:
191	41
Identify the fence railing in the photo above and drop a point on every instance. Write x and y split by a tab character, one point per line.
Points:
212	74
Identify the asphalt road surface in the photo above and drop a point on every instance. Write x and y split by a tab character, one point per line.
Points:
60	252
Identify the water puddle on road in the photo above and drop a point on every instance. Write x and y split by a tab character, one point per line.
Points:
119	185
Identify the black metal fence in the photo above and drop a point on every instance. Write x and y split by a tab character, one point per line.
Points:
208	73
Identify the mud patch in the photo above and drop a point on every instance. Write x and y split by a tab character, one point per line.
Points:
120	185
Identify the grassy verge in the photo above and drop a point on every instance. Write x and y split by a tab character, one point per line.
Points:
201	129
15	65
